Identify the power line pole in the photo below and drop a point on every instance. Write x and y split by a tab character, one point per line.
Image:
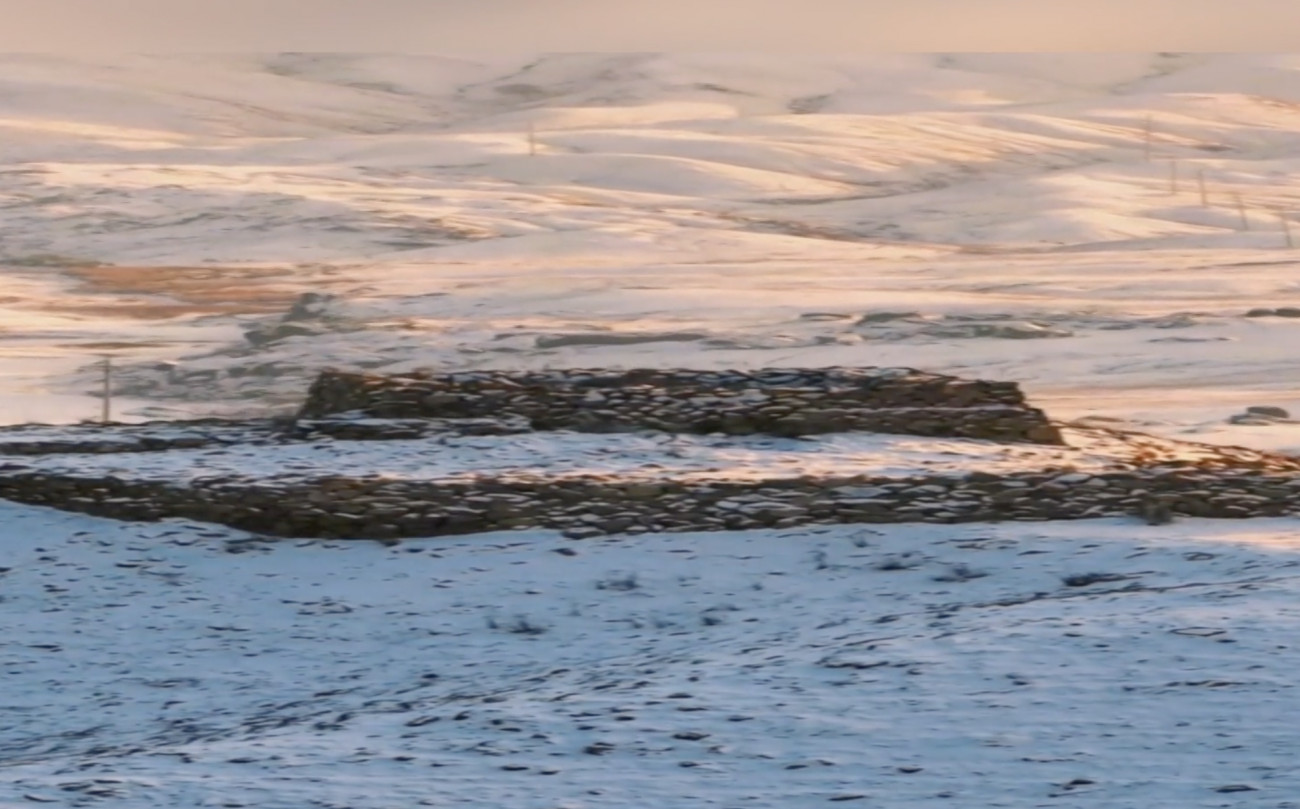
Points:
106	411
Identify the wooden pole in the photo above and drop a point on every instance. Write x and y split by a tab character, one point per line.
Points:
1286	228
106	410
1200	184
1241	209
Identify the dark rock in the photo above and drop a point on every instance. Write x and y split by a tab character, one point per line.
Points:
309	306
617	338
265	335
887	317
1268	411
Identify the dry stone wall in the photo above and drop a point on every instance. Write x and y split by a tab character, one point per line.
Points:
588	506
785	402
1156	478
157	436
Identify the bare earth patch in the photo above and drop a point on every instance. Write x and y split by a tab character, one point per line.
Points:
191	290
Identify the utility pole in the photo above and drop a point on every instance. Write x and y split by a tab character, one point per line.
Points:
1200	183
532	139
106	411
1286	228
1241	209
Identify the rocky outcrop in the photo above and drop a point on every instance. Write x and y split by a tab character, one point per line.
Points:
785	402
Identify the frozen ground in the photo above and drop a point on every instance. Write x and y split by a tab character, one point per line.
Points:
672	209
1080	664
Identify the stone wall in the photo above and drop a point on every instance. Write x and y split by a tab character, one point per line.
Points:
154	436
777	401
1147	472
162	436
591	506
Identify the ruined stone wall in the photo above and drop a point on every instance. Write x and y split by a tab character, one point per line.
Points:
773	401
592	506
154	436
1211	482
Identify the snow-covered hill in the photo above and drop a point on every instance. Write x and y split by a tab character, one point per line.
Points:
462	208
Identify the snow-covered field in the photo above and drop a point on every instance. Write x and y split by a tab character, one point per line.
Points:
1090	663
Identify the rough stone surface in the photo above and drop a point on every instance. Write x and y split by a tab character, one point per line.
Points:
786	402
1268	411
1236	486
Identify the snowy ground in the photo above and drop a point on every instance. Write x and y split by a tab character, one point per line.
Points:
675	209
688	210
623	456
173	665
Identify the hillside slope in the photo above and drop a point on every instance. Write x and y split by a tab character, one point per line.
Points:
730	195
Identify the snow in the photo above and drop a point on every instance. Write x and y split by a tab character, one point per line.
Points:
625	456
700	192
178	665
764	204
